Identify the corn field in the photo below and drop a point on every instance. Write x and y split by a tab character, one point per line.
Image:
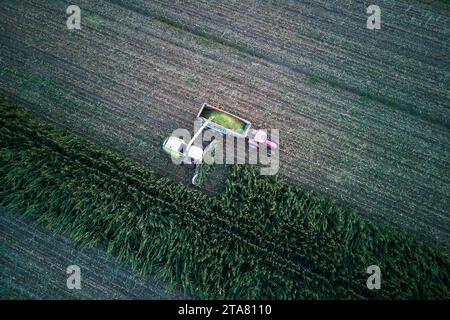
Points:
363	114
258	238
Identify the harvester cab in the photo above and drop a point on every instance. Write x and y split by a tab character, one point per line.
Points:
188	152
174	146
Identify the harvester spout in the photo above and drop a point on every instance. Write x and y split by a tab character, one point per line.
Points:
198	133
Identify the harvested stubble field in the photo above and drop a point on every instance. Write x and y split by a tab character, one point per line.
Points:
34	261
363	114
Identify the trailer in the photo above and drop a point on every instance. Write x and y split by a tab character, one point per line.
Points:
223	121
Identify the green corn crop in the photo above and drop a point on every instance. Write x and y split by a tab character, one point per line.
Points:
260	238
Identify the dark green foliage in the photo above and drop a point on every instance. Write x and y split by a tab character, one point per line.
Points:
202	171
260	238
313	79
